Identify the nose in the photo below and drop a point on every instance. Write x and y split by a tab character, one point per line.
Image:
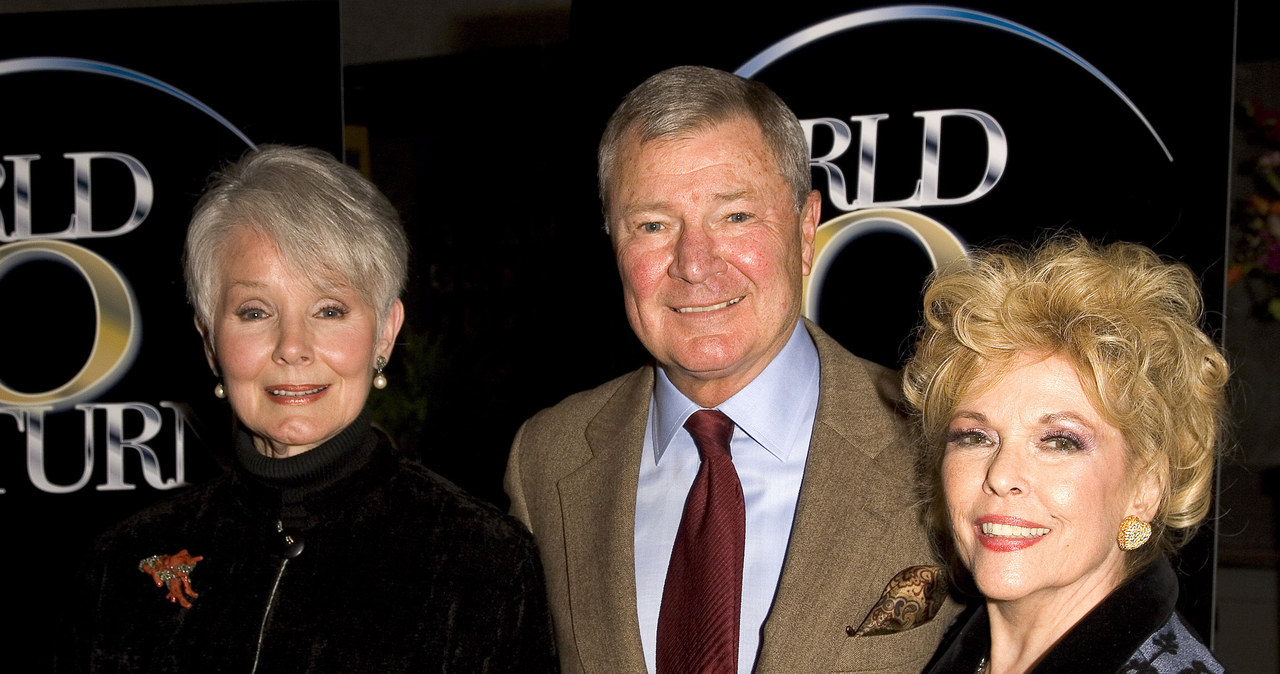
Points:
293	345
695	258
1005	475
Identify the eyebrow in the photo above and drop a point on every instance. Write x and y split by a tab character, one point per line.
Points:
733	196
1050	418
976	416
321	285
718	197
644	207
1065	416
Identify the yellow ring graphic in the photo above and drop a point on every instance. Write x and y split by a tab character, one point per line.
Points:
939	243
115	341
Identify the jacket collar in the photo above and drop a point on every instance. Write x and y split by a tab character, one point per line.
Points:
1102	641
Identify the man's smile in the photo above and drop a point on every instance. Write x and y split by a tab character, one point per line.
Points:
713	307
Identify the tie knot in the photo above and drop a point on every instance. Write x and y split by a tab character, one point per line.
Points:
711	431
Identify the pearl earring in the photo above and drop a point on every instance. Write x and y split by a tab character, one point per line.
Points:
379	379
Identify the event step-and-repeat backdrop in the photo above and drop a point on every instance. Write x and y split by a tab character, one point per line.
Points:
932	129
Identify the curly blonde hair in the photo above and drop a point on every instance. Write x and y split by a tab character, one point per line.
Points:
1129	323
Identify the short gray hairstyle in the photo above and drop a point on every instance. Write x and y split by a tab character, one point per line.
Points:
688	99
327	221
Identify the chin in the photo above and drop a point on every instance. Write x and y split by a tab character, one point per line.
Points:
295	435
1000	591
710	355
1005	584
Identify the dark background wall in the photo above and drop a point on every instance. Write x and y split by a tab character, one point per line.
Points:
483	269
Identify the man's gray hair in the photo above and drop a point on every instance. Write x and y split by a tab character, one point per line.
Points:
326	220
689	99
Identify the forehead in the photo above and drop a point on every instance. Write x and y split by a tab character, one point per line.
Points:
251	259
732	150
1032	386
246	251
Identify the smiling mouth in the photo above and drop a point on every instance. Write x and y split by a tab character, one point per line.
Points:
296	393
713	307
1012	530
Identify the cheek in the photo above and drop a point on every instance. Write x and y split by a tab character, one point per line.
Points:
767	260
752	251
1090	502
1077	493
957	485
641	271
349	353
240	356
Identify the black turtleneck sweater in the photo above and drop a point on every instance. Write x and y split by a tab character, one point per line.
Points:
340	559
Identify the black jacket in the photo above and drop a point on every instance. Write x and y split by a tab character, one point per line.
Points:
398	571
1134	630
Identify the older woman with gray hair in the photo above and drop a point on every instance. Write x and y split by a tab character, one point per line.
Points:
321	550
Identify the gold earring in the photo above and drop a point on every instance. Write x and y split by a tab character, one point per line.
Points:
219	391
379	379
1134	533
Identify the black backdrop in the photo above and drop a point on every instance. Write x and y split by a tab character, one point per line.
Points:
513	300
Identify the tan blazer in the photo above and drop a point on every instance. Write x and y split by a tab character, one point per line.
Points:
572	479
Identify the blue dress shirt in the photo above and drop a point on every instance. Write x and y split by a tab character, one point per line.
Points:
774	421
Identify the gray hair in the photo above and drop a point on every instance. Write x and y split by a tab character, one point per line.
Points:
687	99
327	221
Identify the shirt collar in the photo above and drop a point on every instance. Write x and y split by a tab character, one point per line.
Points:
771	408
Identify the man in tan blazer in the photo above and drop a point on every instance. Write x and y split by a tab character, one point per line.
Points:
708	202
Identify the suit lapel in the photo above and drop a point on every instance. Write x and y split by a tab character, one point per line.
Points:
598	502
842	518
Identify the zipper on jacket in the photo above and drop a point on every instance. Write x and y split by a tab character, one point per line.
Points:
271	602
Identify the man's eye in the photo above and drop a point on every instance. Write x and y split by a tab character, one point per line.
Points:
739	217
651	227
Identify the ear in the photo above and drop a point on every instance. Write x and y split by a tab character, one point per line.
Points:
205	337
809	217
390	329
1147	494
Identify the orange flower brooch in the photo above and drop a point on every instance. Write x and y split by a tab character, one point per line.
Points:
173	571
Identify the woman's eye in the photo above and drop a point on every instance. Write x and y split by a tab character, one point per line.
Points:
1062	443
968	439
651	227
331	312
251	314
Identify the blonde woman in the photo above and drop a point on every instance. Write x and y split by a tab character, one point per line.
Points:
1070	409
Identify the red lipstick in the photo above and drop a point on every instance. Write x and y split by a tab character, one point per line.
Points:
1000	533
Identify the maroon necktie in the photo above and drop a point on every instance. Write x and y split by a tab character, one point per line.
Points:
702	597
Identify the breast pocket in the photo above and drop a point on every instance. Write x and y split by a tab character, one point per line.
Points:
905	652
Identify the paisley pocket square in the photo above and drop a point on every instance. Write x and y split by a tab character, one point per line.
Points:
912	597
